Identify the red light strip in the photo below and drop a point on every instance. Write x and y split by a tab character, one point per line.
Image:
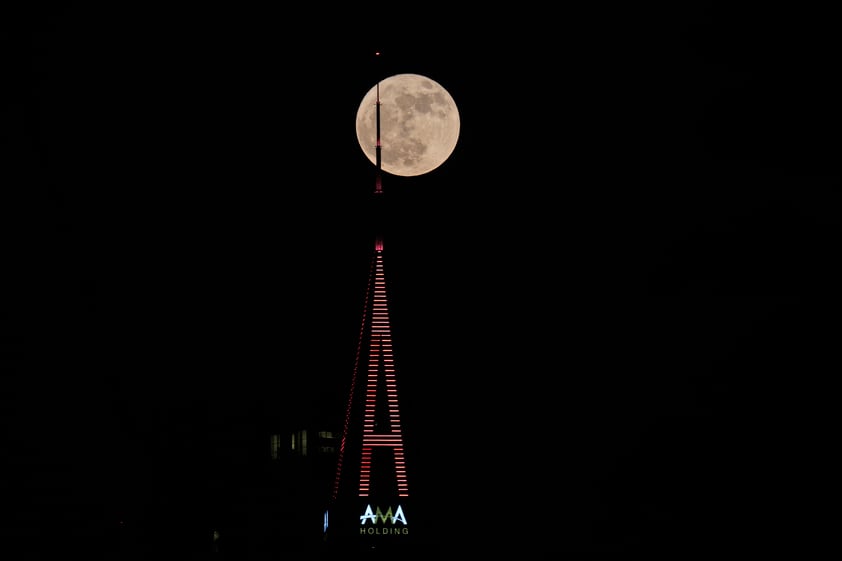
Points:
381	359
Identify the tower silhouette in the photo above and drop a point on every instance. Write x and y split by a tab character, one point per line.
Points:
369	507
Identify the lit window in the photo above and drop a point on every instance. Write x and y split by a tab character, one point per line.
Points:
275	446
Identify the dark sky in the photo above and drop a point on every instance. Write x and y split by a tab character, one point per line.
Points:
614	305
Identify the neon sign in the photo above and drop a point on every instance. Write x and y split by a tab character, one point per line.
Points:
390	523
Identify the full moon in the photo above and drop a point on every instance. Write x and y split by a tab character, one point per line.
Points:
419	125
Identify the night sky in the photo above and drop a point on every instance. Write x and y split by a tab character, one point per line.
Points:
615	306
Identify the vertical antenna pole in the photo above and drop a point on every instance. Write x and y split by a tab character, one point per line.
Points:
378	184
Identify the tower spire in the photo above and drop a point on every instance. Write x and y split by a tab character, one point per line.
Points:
378	182
370	507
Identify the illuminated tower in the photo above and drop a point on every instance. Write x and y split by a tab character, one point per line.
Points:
369	509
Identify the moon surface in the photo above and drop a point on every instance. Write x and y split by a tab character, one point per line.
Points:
419	125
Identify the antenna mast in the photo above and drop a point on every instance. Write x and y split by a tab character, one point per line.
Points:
378	184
